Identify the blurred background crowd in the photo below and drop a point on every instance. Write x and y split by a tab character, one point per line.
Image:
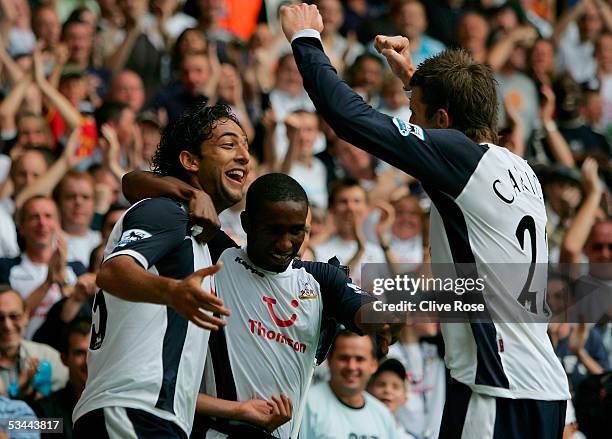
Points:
86	86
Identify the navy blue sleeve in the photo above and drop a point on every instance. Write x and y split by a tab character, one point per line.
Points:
150	230
5	268
218	244
441	159
341	298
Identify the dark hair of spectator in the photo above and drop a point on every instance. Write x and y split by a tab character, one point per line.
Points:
177	56
188	133
109	112
356	66
345	333
340	185
391	365
273	188
77	14
71	22
80	326
453	81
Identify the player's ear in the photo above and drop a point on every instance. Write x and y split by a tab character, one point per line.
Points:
442	119
189	161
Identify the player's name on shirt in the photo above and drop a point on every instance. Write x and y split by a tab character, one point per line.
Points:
515	183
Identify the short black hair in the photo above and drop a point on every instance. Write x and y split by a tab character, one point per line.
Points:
81	326
391	365
340	185
274	187
109	112
187	134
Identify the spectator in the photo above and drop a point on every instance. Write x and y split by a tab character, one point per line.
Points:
395	101
20	359
581	138
29	166
150	131
199	78
127	88
121	119
60	403
349	206
388	385
133	48
287	96
603	54
11	409
406	234
472	35
581	351
421	414
300	161
75	197
343	51
366	76
576	33
342	407
410	19
42	274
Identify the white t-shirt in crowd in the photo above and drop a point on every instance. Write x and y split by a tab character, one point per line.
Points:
313	179
80	247
326	417
345	250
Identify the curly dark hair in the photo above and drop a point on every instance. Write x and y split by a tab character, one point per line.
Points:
187	134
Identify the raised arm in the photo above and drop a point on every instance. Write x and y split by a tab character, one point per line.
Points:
578	232
441	159
69	113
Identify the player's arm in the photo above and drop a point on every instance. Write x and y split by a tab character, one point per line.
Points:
266	414
151	231
138	185
349	305
438	158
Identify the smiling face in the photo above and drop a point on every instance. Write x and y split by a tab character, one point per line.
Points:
351	365
39	223
275	232
389	388
224	164
13	320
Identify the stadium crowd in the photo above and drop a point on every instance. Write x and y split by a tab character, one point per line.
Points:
86	87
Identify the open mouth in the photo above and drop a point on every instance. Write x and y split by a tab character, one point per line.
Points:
236	175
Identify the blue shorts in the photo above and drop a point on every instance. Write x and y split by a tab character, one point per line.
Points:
125	423
469	415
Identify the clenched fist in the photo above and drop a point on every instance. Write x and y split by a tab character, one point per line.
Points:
299	17
397	51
